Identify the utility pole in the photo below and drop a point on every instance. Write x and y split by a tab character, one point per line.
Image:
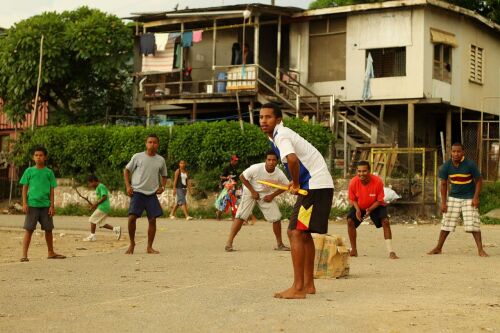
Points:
33	119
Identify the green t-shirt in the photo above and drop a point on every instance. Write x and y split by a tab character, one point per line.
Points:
39	182
101	191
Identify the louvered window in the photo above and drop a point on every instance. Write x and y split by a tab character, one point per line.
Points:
476	64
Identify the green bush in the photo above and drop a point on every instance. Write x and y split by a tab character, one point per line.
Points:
490	197
76	151
489	220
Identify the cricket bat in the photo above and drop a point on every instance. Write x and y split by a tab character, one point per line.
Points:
280	186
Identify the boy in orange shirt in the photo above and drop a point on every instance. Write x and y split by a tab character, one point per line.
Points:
366	194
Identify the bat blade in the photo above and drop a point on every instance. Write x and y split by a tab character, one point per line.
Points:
280	186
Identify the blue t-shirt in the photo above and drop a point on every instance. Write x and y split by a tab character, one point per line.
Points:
462	178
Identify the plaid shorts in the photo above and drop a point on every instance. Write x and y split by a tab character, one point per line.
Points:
470	215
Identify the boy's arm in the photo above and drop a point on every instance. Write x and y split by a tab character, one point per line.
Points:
444	194
294	169
52	210
163	183
270	197
379	201
100	201
25	199
249	186
354	201
176	177
126	176
475	199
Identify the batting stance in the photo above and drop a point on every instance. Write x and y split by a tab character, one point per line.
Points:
255	192
308	170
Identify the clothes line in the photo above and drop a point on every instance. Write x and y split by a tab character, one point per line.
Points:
232	26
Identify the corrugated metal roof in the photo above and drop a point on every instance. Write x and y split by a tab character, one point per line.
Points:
398	4
258	7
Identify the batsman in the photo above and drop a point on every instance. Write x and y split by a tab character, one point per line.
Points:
256	192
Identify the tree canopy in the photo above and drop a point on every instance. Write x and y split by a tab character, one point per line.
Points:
487	8
86	55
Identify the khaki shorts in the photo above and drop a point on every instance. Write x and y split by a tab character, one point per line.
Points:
98	217
270	210
470	215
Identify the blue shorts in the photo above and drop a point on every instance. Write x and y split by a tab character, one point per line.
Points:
141	202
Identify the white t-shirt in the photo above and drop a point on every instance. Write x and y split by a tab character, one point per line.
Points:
258	172
314	172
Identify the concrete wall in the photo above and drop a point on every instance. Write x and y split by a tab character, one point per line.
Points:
462	92
364	31
410	28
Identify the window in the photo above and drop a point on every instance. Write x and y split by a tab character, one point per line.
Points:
442	63
327	50
476	64
388	62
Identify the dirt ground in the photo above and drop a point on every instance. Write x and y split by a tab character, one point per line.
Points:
194	286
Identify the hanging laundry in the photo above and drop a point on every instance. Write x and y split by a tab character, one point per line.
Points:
178	50
174	34
236	54
148	44
187	39
161	40
369	74
161	62
197	36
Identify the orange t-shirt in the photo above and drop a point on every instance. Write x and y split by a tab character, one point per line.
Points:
366	195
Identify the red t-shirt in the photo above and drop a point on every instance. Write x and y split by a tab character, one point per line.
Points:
366	195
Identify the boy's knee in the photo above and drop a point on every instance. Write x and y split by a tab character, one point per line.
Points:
295	234
386	223
351	223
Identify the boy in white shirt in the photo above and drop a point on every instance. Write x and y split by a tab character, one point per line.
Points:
263	195
308	170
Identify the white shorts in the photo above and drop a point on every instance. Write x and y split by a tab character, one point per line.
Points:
470	215
270	210
98	217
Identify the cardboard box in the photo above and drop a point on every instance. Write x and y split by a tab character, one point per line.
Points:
332	257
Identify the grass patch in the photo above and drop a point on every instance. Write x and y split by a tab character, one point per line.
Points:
490	197
489	220
199	212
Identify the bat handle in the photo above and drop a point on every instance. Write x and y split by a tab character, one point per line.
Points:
303	192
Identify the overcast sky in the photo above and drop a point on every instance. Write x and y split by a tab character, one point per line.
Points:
12	11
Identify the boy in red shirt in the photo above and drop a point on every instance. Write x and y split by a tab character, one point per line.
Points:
366	194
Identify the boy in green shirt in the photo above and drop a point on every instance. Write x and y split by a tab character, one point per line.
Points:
101	210
38	202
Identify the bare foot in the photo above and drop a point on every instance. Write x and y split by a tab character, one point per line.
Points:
291	293
393	255
150	250
483	254
130	249
353	253
434	251
310	290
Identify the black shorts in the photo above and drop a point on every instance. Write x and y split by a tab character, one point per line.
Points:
38	214
377	215
141	202
311	211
